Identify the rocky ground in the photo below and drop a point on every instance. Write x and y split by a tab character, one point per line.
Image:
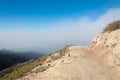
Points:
80	63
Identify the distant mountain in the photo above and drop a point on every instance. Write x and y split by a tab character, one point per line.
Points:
9	58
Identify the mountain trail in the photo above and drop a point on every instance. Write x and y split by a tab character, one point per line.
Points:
80	63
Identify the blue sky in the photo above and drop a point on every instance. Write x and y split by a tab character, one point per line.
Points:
51	24
31	11
54	8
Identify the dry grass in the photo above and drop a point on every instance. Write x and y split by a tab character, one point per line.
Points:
60	52
112	26
20	70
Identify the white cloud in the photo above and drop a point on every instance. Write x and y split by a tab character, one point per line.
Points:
60	33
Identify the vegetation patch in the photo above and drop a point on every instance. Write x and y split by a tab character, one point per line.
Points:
60	53
112	26
20	70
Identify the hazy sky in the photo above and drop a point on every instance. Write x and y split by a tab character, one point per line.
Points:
47	25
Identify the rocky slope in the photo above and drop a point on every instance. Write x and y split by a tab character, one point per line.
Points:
99	61
111	41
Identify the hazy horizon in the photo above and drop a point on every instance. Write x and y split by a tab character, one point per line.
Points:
43	25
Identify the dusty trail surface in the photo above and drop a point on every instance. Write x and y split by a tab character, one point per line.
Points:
80	63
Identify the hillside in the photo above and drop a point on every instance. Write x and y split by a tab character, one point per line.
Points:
9	58
80	63
98	61
25	68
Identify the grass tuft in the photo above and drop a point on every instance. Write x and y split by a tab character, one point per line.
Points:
112	26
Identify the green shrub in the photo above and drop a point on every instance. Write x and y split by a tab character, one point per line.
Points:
112	26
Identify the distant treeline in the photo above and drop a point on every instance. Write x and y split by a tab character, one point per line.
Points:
10	58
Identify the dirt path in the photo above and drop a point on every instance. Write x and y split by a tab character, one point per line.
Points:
80	64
